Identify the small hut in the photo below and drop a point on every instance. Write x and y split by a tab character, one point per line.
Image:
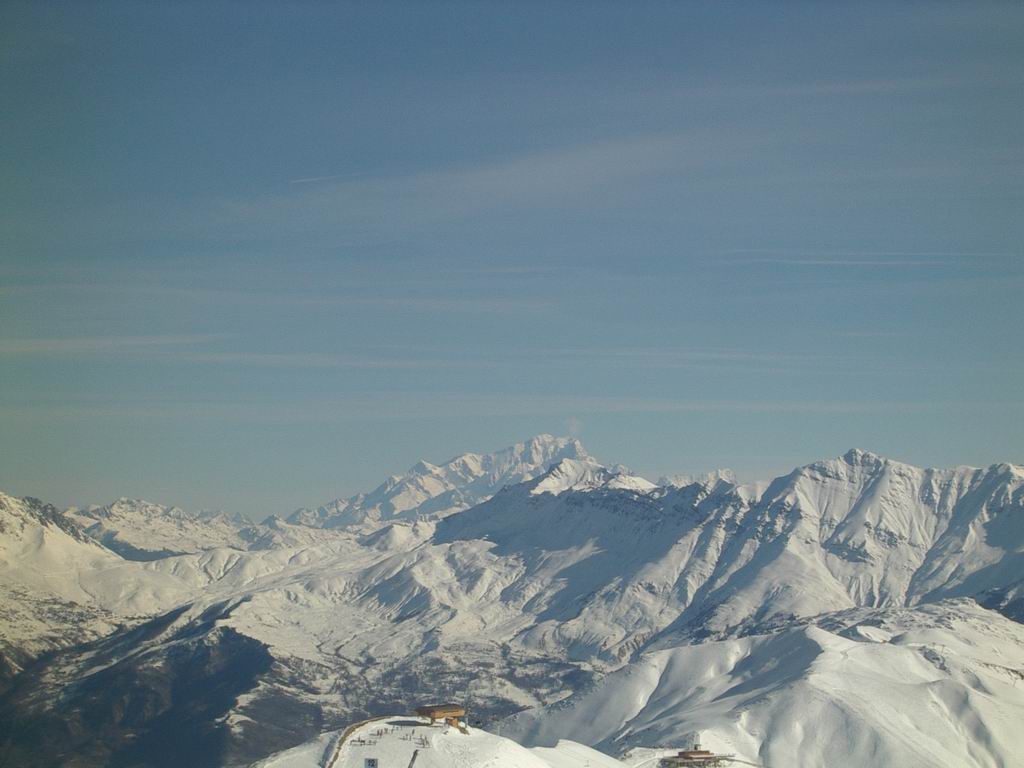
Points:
694	758
451	714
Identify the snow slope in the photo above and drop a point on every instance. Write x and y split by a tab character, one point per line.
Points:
937	685
59	587
43	604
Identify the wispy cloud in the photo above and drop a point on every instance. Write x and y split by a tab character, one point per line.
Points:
872	334
99	343
331	177
871	86
871	253
596	358
524	359
748	93
848	262
371	209
744	361
530	178
318	299
856	258
695	354
307	360
441	406
187	349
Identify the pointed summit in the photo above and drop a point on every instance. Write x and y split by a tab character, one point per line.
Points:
422	468
859	457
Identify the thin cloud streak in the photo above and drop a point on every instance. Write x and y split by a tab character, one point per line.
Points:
307	360
175	350
857	258
433	304
811	252
100	343
321	211
728	360
458	406
847	262
695	360
332	177
873	87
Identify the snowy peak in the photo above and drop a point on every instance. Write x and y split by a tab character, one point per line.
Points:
587	475
517	463
142	530
860	457
45	561
125	508
23	520
434	491
711	479
543	449
862	530
423	468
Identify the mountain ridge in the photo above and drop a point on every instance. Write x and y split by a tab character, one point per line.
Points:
533	594
437	490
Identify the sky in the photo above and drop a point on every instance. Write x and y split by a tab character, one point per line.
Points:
255	256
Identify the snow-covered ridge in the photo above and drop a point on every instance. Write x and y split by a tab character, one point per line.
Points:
434	491
529	596
938	685
587	475
707	478
141	530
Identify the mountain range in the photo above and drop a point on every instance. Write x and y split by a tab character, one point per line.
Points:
857	610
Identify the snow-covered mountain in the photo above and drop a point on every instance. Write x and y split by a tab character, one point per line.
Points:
433	491
42	602
59	587
859	531
576	575
706	478
141	530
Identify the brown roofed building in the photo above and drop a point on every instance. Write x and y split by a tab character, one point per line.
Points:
692	758
446	712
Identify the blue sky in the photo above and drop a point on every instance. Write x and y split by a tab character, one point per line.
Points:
255	256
